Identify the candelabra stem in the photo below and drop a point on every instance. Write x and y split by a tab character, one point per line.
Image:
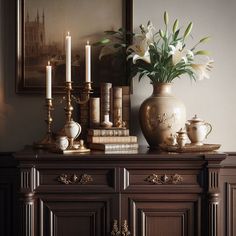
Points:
72	148
69	108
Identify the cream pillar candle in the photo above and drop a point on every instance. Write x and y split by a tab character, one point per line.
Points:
49	81
88	62
68	57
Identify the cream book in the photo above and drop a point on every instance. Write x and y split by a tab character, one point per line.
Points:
114	146
112	139
108	132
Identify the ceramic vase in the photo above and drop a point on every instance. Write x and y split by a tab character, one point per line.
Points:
161	115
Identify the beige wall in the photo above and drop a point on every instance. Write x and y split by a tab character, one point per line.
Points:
215	99
21	117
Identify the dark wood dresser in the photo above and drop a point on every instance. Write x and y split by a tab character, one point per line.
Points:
144	194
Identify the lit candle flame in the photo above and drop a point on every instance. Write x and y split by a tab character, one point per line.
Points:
87	42
48	63
68	33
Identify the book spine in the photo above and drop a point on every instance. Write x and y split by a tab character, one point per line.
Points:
107	132
123	146
117	106
105	100
94	112
114	146
118	139
126	105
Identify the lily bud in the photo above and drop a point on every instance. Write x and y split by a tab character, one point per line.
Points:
188	30
166	18
175	26
161	33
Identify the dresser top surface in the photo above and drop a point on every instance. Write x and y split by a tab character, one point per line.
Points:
144	153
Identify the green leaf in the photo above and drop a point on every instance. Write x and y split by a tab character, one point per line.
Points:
175	35
205	39
103	41
202	52
110	32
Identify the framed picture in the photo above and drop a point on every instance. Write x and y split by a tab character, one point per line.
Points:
42	26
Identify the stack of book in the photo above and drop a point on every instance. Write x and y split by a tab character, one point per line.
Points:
112	140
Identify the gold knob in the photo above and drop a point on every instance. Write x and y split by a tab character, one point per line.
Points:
115	229
164	179
83	179
125	229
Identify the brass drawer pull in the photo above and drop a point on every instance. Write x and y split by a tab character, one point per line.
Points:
83	179
124	229
164	179
115	230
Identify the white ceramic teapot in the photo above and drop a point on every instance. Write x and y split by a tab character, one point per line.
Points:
197	130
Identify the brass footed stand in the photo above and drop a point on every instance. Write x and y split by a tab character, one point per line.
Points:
73	147
48	141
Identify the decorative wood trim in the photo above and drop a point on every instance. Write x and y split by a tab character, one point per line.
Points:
230	206
213	202
27	216
29	179
164	179
126	178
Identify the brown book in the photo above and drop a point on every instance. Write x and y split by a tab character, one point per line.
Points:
126	104
114	146
108	132
94	111
113	139
117	106
105	100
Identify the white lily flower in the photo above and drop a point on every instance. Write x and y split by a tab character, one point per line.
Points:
142	41
178	53
202	70
145	57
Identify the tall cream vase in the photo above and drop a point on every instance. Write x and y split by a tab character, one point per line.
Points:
161	115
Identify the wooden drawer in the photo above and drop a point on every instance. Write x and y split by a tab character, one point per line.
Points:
161	180
75	180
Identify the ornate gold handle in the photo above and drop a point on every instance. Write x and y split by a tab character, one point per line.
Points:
84	179
125	229
164	179
115	230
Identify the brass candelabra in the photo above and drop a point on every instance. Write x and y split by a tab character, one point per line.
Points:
85	95
47	141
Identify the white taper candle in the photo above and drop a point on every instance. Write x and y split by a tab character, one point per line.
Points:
49	81
68	57
88	62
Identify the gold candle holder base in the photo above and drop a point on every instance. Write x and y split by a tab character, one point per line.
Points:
77	148
47	142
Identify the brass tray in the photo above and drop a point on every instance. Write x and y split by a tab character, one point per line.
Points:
190	148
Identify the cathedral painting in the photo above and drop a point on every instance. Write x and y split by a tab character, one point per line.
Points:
43	27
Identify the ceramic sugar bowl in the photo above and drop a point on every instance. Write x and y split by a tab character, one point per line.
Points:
62	143
197	130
